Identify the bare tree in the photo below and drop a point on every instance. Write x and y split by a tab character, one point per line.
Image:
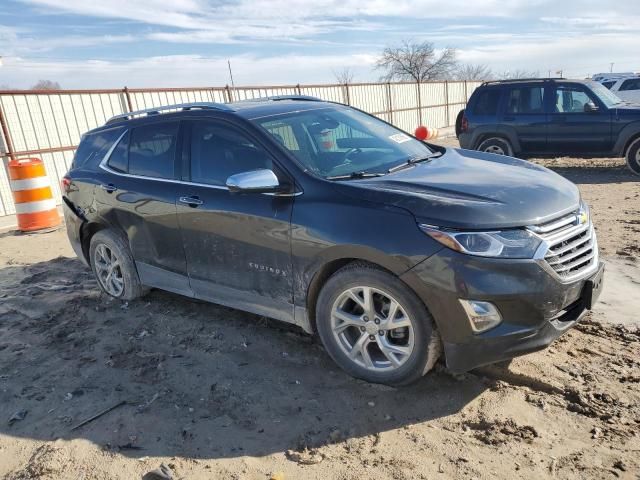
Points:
470	71
5	87
418	62
518	74
344	76
46	85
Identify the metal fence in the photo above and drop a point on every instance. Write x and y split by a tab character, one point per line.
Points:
48	124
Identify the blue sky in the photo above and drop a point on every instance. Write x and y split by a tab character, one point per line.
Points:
112	43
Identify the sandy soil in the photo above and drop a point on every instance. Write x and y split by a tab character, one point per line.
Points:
215	393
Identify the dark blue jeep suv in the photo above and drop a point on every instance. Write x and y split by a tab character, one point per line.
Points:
550	117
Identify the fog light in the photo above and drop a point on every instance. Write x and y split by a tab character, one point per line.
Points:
482	315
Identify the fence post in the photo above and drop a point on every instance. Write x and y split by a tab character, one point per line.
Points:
127	96
298	89
227	94
389	102
6	135
446	101
419	104
466	94
346	93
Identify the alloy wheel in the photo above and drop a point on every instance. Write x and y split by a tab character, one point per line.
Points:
372	328
108	270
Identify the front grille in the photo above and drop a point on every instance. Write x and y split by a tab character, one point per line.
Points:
572	247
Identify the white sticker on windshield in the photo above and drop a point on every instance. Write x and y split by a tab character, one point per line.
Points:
400	138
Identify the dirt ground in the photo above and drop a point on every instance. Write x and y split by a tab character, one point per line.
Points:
215	393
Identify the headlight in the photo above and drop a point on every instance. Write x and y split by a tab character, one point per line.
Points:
501	244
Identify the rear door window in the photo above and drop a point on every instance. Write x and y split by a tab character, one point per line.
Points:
487	102
526	100
94	147
152	150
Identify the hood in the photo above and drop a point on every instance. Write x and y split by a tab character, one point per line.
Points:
628	108
474	190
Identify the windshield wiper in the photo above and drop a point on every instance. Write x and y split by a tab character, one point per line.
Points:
413	161
354	176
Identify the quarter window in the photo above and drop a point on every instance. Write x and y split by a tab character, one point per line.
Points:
487	102
219	151
119	160
152	150
95	146
526	100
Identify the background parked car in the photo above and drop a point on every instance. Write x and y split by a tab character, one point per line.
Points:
549	117
627	89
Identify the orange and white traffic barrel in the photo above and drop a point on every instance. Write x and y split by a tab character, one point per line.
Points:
35	206
426	133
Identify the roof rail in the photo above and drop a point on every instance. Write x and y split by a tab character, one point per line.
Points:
180	106
275	98
490	82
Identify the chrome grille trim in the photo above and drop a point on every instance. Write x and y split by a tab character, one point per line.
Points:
569	248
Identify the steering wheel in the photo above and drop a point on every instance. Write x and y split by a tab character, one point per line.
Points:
352	151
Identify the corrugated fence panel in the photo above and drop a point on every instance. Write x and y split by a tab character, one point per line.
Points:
52	123
370	98
333	93
6	199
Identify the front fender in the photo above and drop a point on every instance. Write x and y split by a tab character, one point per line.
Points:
626	134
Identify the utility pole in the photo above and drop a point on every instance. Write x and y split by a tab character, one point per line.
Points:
231	74
611	67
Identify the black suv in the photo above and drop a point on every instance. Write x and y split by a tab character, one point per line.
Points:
550	117
321	215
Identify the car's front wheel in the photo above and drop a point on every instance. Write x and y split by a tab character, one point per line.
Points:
496	145
633	157
374	327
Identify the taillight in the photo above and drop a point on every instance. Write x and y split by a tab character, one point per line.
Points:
464	124
65	184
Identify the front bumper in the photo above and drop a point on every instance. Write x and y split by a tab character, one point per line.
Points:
536	307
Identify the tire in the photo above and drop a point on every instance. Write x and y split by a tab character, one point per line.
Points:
106	246
633	156
459	122
413	347
496	145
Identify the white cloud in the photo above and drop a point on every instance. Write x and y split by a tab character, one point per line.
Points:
185	70
578	36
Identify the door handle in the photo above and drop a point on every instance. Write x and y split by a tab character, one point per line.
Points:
193	201
109	187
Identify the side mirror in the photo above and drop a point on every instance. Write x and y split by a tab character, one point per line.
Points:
254	181
590	107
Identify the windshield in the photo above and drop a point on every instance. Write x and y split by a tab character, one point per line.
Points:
607	97
340	141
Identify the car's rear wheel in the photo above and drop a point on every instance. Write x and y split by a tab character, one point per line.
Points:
374	327
633	157
497	145
459	122
114	267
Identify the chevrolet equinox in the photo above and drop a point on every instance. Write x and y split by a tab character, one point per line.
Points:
392	250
